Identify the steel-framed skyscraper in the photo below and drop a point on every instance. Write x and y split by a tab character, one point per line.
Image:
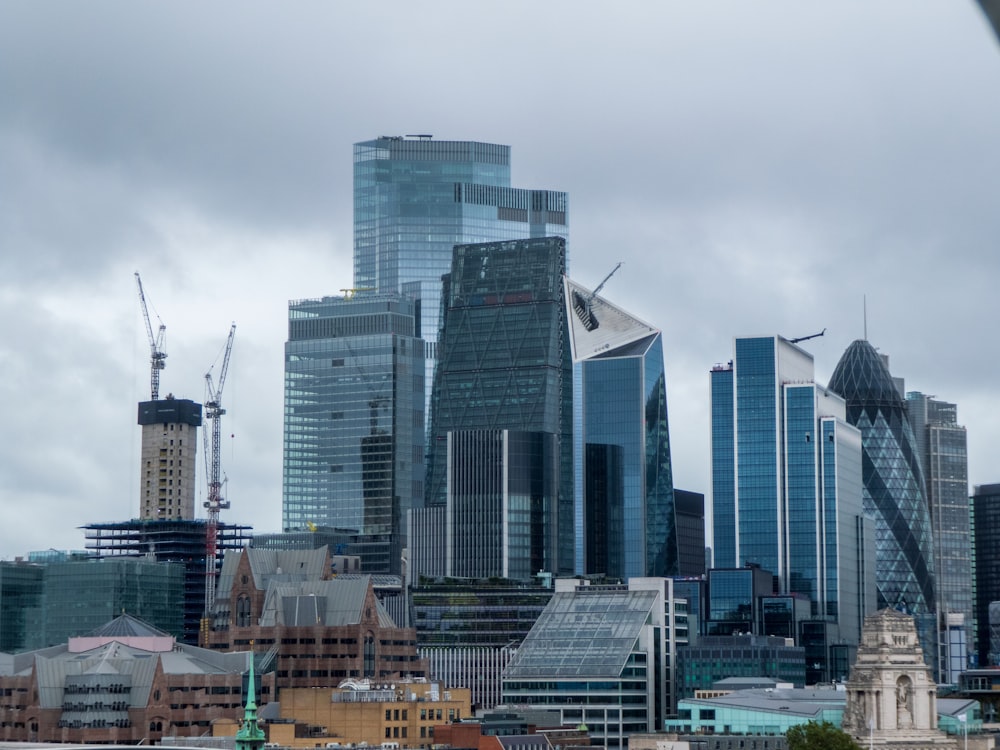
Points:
895	493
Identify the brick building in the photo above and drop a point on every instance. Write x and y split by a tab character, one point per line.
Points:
124	683
320	629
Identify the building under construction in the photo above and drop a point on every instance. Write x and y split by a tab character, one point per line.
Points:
169	541
167	468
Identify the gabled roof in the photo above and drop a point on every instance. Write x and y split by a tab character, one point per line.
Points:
333	603
268	565
583	634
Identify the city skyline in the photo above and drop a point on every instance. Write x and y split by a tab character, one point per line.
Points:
752	175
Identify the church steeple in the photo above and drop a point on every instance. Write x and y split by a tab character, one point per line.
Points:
250	736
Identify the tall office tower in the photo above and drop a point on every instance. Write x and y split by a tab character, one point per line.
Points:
354	422
893	479
941	443
623	483
169	446
986	546
786	484
501	434
416	198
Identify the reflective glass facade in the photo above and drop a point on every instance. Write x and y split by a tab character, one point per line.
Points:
625	522
787	489
986	543
354	421
416	198
943	449
894	490
504	365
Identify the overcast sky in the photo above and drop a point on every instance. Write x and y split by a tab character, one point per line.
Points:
759	168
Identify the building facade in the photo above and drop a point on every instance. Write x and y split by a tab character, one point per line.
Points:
168	541
986	547
625	516
894	489
169	448
354	422
123	683
319	631
712	658
468	630
415	198
944	454
603	656
787	485
503	399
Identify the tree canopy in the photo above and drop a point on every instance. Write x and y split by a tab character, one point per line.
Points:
819	736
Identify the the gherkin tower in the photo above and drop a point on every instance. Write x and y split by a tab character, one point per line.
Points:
893	479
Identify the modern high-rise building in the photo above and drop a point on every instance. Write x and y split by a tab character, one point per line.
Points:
941	443
624	491
501	434
415	198
169	446
894	489
986	546
354	421
786	483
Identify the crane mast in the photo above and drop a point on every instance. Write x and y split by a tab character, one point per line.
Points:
156	343
215	501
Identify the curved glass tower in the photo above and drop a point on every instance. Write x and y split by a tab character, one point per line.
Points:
893	479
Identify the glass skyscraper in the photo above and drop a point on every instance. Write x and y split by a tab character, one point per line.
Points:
942	445
416	198
354	422
502	401
625	522
893	479
786	482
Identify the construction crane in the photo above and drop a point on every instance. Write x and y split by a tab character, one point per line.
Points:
806	338
213	466
156	344
581	304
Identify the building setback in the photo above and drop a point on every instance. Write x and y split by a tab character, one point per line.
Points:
787	492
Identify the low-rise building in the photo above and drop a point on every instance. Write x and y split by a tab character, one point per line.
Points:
123	683
602	656
363	714
320	630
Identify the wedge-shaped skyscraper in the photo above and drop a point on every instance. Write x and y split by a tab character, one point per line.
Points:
893	479
624	490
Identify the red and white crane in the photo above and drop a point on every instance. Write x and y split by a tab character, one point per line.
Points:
213	470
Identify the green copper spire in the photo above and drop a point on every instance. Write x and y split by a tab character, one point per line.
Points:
250	736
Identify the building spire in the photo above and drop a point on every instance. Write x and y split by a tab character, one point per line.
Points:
250	736
864	308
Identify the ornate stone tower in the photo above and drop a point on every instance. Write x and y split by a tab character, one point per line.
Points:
891	698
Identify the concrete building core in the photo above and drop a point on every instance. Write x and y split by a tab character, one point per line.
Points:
167	464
